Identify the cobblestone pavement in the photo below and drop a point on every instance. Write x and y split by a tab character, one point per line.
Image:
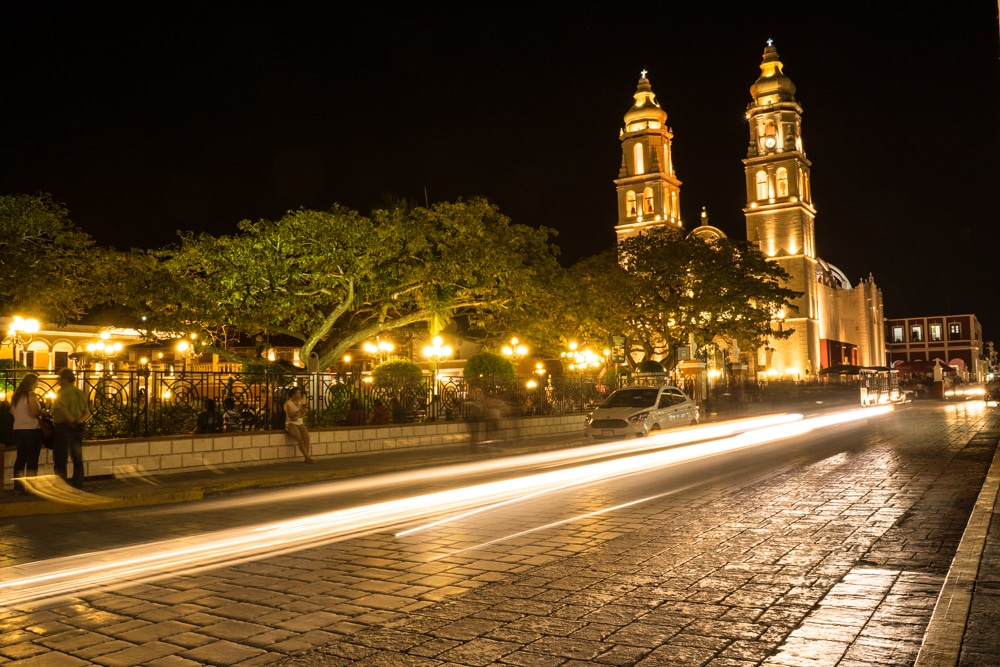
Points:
829	552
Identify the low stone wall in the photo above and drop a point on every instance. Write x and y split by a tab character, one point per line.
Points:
187	453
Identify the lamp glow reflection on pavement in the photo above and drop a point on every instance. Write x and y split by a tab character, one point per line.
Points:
74	576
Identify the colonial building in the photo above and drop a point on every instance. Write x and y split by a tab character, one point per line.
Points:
957	340
834	323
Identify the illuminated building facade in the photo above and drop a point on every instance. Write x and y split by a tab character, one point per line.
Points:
648	188
834	323
956	340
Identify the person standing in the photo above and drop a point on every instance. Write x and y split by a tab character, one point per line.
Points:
27	434
295	412
69	412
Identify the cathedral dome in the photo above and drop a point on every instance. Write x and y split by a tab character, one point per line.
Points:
772	86
646	111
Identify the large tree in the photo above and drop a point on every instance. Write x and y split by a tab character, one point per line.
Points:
663	288
332	279
47	265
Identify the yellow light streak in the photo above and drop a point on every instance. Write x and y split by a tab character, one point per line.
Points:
74	576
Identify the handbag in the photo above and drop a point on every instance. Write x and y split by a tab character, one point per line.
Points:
48	429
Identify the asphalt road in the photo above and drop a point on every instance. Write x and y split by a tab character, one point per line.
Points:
824	549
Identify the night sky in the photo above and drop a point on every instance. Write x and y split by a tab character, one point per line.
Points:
171	117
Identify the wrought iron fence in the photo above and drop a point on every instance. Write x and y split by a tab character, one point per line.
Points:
150	403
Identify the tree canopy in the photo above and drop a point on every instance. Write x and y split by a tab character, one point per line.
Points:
333	279
47	265
675	287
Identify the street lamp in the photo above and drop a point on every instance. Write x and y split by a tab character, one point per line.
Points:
515	351
380	349
19	334
186	348
435	352
104	349
581	360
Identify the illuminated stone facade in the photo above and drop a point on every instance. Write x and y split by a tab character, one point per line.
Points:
834	323
648	188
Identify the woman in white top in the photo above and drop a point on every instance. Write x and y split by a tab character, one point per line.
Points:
27	434
295	412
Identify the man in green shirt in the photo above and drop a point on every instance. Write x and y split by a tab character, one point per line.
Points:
69	412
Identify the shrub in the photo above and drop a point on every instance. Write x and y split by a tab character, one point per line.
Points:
396	370
489	366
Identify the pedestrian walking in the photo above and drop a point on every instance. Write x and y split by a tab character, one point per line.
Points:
295	412
69	412
26	434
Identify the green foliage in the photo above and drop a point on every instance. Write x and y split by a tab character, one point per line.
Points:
395	371
173	419
489	365
263	372
48	267
676	287
612	376
333	279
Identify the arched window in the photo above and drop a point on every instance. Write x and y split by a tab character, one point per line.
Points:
782	182
630	204
761	179
647	200
637	159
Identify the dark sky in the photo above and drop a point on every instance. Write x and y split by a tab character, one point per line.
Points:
171	117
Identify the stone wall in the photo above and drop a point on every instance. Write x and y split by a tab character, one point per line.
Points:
187	453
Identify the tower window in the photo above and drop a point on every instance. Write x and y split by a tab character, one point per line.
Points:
955	330
897	334
782	182
647	200
630	204
762	185
637	158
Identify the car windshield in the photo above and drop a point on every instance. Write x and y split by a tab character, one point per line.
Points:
631	398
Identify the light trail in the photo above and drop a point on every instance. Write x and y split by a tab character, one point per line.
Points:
74	576
561	457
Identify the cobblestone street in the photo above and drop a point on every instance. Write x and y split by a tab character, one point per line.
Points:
829	551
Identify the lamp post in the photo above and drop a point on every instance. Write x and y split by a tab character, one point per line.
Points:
104	349
186	348
515	351
19	334
581	360
380	349
435	352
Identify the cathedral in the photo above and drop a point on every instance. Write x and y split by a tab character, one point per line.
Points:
835	324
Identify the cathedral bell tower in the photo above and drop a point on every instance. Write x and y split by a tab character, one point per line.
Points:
648	189
779	211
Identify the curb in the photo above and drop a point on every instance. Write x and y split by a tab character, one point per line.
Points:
942	643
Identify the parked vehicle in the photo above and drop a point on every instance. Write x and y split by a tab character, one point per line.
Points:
638	411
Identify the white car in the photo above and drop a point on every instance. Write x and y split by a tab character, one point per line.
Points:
637	411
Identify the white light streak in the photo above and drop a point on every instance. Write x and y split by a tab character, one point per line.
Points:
73	576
